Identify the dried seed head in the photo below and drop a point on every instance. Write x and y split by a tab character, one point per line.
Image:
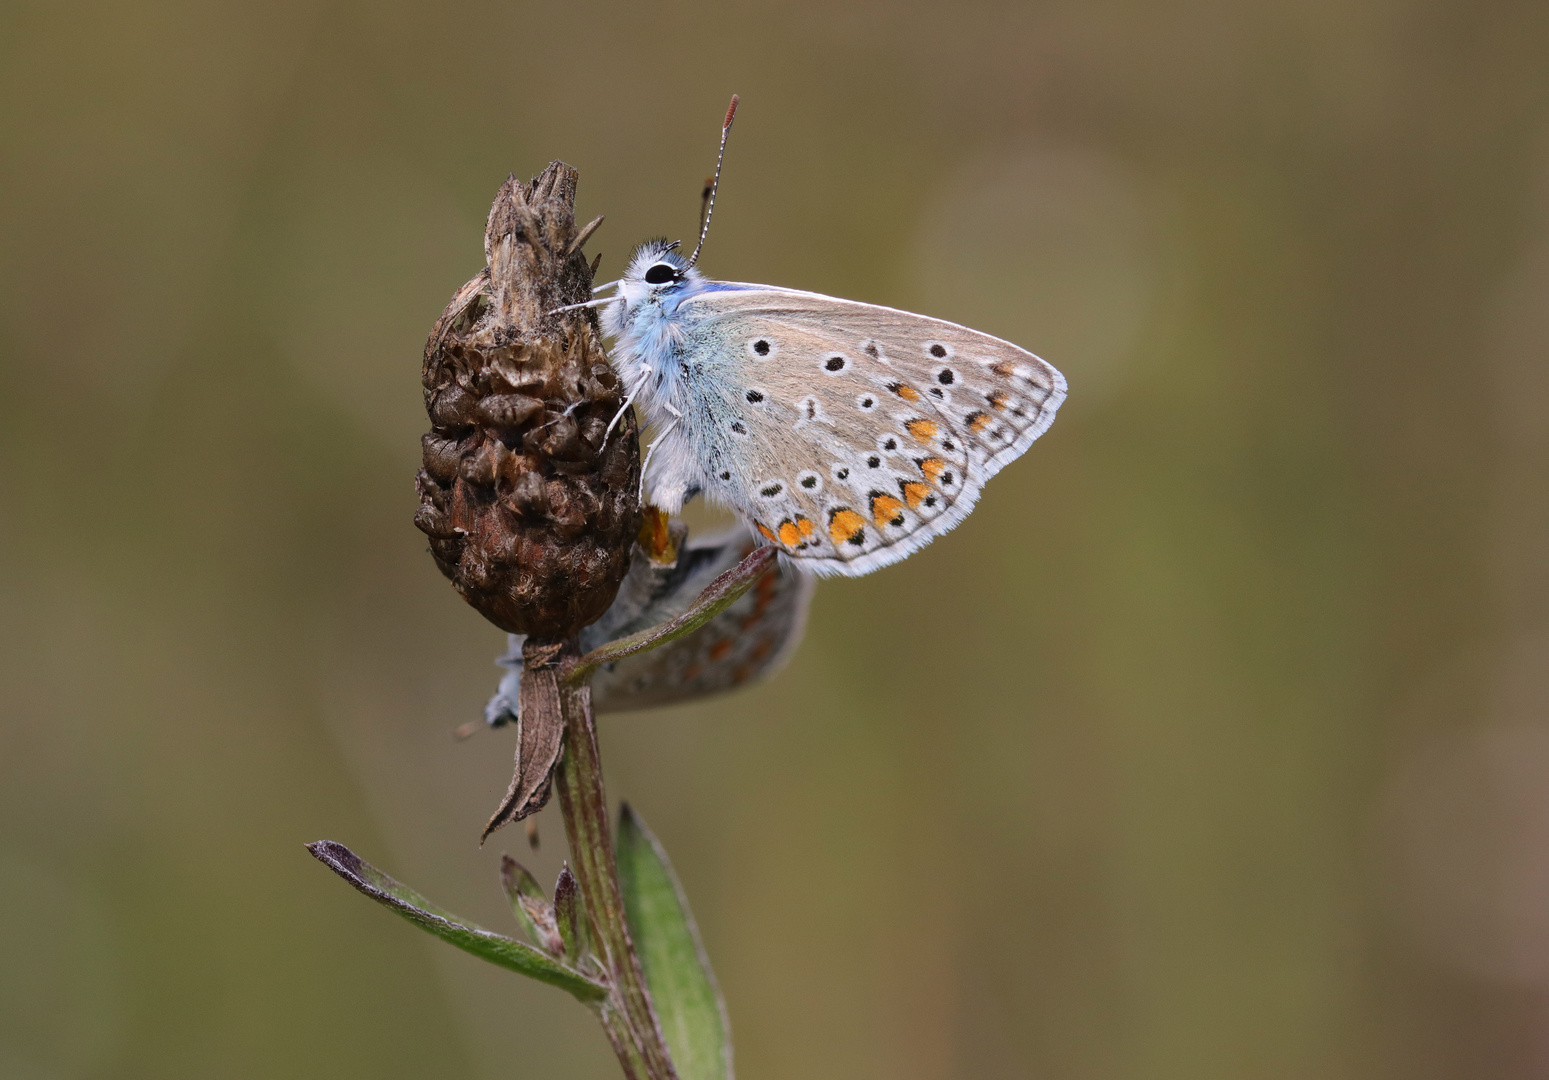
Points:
529	511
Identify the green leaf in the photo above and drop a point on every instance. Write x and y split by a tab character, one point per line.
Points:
482	943
683	990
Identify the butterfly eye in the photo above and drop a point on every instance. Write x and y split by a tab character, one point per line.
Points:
660	274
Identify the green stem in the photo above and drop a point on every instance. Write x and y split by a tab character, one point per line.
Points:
626	1014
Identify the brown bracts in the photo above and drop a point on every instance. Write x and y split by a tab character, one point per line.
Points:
530	513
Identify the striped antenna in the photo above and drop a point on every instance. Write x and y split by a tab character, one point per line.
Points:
704	230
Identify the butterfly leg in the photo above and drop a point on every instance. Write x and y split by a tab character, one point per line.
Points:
630	400
584	304
648	452
651	450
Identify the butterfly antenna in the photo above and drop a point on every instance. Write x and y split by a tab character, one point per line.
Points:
704	200
715	181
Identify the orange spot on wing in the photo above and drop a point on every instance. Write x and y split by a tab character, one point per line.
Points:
1003	369
932	467
790	535
885	510
1000	399
921	429
771	537
719	650
846	527
806	527
978	421
915	492
908	393
761	650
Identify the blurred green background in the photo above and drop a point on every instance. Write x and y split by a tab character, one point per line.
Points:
1215	744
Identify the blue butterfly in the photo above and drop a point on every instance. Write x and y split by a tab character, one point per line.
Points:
848	434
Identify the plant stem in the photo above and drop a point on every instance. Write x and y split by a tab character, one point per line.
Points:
626	1014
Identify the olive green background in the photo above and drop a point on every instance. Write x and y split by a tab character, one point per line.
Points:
1214	745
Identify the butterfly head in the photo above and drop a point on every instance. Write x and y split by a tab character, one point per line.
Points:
657	267
659	275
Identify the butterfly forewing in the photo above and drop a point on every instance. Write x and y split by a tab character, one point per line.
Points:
865	431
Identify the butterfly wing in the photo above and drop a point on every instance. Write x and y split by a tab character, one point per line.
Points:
866	431
750	640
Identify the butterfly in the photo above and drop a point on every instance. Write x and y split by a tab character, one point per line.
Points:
748	641
849	435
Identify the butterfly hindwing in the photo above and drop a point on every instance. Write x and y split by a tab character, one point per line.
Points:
865	431
833	468
748	641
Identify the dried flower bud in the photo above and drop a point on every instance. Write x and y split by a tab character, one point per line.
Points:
530	512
